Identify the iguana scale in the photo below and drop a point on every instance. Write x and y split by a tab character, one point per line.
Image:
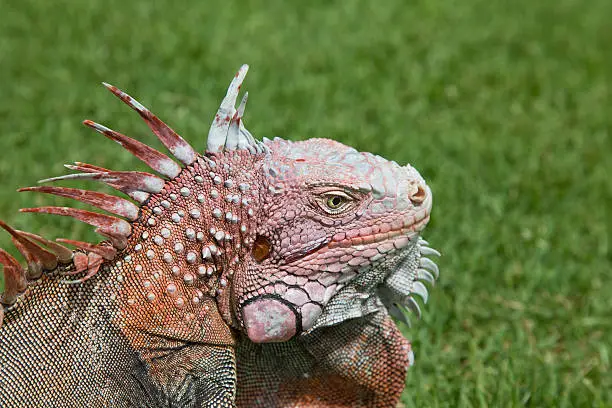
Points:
255	274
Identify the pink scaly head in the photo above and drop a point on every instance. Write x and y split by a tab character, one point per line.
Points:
335	228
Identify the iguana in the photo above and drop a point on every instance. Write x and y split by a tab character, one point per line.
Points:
260	273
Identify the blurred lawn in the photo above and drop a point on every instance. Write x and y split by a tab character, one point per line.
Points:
503	106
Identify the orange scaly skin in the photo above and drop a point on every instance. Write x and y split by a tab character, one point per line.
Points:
256	274
165	286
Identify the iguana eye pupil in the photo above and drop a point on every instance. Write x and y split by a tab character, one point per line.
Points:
334	202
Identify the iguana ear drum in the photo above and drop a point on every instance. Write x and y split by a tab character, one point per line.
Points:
261	248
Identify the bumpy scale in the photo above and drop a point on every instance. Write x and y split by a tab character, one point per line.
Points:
257	274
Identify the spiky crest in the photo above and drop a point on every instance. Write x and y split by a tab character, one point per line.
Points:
227	133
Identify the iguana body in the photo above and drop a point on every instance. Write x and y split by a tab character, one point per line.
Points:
257	274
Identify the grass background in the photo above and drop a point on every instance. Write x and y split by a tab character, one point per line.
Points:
504	107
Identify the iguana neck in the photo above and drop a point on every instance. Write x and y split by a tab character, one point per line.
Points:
175	276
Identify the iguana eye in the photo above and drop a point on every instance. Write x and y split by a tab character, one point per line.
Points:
336	202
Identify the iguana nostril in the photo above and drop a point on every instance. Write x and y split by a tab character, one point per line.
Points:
261	248
418	196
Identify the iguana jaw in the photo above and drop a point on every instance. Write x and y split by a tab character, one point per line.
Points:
379	234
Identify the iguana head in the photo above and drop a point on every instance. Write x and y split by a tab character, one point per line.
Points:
334	224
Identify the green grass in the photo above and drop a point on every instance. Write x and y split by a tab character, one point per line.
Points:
504	107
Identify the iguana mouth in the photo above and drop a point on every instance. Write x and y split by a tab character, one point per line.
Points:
410	232
376	234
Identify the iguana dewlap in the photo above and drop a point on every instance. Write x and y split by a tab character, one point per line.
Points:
255	274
